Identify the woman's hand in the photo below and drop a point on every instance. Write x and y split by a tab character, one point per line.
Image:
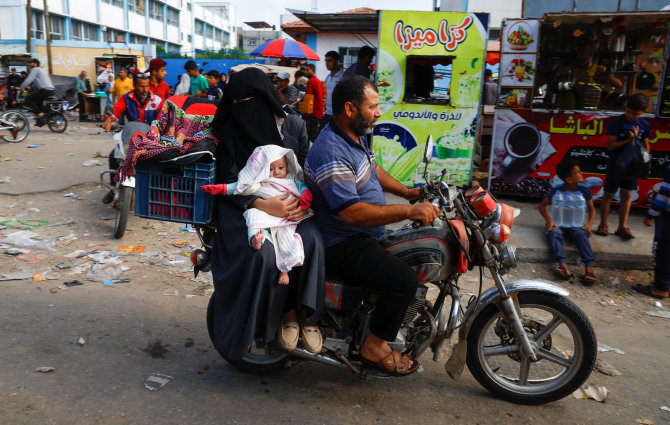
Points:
296	214
278	206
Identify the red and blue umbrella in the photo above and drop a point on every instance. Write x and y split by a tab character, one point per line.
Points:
285	48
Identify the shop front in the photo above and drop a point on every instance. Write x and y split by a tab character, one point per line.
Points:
563	78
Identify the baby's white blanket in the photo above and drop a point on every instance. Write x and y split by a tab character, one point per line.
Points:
255	179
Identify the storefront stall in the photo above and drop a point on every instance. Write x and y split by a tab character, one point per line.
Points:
563	78
429	75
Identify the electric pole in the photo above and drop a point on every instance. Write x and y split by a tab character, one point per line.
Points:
29	14
47	28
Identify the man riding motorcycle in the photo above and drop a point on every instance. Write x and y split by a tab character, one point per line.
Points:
351	211
39	77
141	105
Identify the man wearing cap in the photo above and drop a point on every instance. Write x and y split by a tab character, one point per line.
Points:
287	92
156	83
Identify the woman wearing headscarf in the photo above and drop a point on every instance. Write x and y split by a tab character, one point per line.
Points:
248	303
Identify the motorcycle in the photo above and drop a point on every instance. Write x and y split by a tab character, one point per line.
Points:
523	340
123	190
54	112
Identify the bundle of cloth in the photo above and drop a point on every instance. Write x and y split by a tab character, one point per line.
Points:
176	137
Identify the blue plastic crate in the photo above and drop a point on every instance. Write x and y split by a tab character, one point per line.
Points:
172	192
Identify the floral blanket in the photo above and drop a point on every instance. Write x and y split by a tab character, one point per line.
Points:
173	134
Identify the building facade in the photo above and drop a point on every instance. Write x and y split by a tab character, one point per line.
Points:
81	30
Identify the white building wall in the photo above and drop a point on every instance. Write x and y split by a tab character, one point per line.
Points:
136	23
326	42
155	29
497	10
173	34
12	21
112	16
83	10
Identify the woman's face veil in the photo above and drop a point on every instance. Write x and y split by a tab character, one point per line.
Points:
245	119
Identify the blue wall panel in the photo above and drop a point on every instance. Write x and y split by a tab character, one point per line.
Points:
175	67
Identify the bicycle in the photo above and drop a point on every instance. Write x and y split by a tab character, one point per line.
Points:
17	124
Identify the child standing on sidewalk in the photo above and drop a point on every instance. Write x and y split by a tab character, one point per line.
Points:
659	211
621	131
570	172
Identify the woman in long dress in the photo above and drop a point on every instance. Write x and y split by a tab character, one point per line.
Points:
248	303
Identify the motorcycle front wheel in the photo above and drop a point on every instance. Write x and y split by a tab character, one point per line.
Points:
16	126
57	122
566	350
257	360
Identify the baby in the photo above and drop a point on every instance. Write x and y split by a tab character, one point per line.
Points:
270	171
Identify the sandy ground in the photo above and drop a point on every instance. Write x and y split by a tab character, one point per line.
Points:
156	323
104	341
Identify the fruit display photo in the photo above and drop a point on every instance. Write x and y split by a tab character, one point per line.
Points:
518	70
521	36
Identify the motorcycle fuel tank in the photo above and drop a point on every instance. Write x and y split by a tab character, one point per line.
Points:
431	250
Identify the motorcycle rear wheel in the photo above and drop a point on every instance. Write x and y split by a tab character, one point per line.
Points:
566	342
57	122
257	360
123	210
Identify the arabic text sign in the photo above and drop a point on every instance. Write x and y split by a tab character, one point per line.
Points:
452	46
579	136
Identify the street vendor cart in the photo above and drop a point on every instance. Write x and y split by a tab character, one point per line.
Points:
563	78
430	69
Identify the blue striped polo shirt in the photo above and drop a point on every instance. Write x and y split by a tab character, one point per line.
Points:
341	172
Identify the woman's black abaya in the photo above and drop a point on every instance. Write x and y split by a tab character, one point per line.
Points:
248	301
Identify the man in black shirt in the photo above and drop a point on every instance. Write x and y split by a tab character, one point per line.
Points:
13	82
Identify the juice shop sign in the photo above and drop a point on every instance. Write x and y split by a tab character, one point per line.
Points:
450	36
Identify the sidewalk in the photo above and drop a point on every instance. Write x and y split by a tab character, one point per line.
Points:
611	251
529	236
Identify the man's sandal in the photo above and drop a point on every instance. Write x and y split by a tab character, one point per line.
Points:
394	363
602	231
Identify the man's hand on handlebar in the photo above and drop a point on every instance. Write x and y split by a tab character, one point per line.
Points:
413	194
424	212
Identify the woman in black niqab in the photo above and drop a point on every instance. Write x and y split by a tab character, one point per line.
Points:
248	303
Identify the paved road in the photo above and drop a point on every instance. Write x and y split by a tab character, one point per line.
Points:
102	381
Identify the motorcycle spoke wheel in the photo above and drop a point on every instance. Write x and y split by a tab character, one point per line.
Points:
20	126
564	342
57	122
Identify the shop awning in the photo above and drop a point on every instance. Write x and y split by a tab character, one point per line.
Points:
340	22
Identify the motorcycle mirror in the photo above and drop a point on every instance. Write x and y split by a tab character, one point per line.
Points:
428	152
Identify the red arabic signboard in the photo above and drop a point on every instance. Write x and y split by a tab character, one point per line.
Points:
529	144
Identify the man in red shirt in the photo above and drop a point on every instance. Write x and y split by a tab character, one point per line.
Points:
315	88
156	83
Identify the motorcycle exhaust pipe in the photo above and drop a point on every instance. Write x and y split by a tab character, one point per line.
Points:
321	358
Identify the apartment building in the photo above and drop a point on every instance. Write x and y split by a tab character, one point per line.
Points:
81	30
